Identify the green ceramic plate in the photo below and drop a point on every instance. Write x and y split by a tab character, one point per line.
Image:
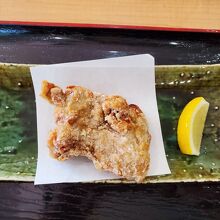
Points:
176	85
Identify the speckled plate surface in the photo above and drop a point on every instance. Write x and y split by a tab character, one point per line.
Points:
176	85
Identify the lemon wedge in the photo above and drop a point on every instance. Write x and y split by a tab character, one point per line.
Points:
190	126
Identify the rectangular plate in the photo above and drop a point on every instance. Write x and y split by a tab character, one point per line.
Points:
176	85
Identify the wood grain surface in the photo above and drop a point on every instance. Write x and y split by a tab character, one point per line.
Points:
101	201
194	14
107	201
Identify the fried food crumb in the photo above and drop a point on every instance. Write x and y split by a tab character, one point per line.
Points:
105	129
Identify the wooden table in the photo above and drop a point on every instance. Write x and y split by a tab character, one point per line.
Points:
194	15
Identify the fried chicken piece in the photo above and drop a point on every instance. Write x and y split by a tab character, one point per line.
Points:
105	129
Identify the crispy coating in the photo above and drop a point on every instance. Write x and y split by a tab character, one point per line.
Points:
105	129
